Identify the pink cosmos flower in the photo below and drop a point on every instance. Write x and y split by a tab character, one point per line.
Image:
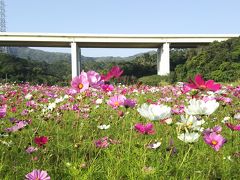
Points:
124	91
199	83
13	109
40	141
31	103
80	83
144	129
71	91
93	78
208	98
215	140
3	99
102	143
19	125
24	112
31	149
177	109
186	88
227	100
75	107
37	175
3	111
116	101
233	127
216	129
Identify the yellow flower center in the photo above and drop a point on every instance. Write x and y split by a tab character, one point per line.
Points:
202	87
80	86
116	103
189	125
214	142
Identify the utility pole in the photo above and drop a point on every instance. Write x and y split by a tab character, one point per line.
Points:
3	24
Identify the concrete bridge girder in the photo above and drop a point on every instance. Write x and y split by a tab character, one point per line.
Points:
163	42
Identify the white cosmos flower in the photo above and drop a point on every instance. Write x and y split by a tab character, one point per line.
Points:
66	96
225	119
58	100
104	126
189	137
199	107
9	143
168	121
51	106
154	145
28	96
237	116
191	122
154	112
99	101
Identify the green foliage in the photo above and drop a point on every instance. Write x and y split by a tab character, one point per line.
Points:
13	69
219	61
141	65
55	68
155	80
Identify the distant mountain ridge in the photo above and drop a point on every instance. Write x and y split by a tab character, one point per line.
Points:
50	57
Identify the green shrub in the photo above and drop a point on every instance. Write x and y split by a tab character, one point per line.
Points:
155	80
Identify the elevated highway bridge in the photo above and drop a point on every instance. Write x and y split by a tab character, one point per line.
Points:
163	43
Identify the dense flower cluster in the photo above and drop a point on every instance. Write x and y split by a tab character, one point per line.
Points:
186	111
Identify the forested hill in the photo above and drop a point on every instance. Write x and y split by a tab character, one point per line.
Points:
50	57
40	55
14	69
219	61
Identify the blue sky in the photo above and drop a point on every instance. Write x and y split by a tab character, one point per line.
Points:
123	17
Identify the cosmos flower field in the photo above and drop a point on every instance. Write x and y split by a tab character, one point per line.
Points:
98	129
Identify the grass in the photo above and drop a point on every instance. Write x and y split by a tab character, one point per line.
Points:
72	154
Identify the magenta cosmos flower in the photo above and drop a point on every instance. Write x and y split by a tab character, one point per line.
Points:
215	140
80	83
199	83
107	87
40	141
116	101
145	129
116	72
233	127
106	77
129	103
37	175
3	111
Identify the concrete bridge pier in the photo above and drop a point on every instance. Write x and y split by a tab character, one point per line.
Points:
163	60
76	59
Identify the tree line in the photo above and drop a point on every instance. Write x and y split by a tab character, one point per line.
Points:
219	61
